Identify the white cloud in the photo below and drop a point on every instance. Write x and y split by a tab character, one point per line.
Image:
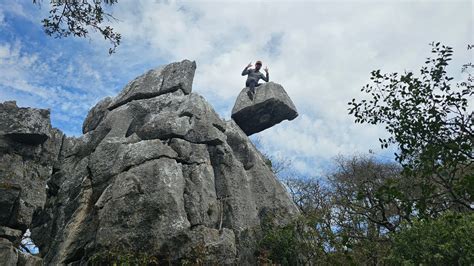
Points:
326	51
321	51
13	66
35	80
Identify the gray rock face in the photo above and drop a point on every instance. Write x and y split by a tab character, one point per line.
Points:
270	106
157	172
8	254
25	259
29	150
24	125
172	77
24	171
96	114
11	234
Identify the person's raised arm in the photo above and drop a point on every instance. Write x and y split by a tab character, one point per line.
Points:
267	76
246	69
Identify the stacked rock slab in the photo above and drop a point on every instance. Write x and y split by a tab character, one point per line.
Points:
29	148
158	173
270	106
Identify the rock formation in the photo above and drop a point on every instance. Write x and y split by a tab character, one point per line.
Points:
156	173
28	153
270	106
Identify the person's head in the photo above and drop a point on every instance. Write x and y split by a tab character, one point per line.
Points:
258	65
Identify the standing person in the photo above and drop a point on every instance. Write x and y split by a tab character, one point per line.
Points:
253	76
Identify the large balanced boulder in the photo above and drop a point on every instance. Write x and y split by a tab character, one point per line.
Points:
270	106
158	175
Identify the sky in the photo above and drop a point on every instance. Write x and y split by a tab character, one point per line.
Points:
322	52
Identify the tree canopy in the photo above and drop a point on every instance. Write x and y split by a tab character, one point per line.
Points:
79	18
428	119
417	210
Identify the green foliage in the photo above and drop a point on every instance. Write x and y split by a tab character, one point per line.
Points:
428	119
342	222
77	18
372	193
414	212
306	241
268	162
447	240
366	204
300	242
282	244
358	219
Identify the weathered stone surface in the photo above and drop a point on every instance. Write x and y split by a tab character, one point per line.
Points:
158	172
249	194
96	114
178	75
9	200
25	259
24	125
172	77
8	254
29	149
188	117
270	106
11	234
11	256
23	185
219	246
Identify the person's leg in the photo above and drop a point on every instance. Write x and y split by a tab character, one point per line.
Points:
254	89
251	85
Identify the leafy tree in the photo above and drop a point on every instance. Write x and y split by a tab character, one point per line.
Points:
283	244
345	220
416	211
357	217
307	193
430	122
78	18
446	240
371	192
367	206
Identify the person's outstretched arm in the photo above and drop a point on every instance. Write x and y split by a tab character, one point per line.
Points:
267	76
246	69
